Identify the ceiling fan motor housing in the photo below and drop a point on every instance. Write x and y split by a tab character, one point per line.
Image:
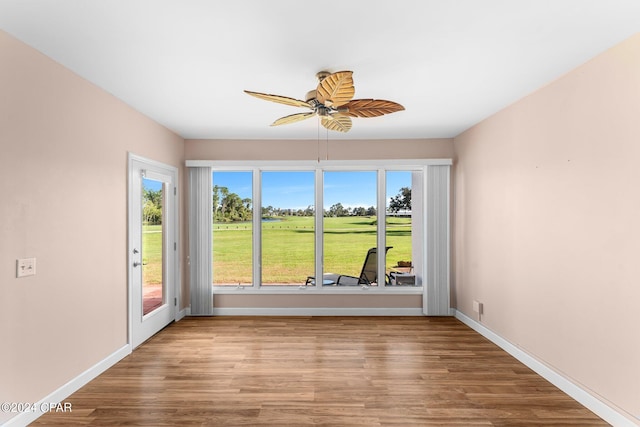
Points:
323	111
312	94
322	74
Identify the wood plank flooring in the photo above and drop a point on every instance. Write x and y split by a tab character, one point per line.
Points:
320	371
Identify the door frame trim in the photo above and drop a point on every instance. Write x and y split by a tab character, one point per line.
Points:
176	274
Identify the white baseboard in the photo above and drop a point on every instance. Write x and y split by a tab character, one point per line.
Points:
316	311
602	409
25	418
182	313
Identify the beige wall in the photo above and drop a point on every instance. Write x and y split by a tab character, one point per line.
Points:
63	169
318	301
379	149
546	224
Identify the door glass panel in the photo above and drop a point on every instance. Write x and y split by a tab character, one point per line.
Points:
288	227
399	228
232	228
350	228
153	193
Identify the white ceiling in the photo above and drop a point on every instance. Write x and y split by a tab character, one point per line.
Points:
451	63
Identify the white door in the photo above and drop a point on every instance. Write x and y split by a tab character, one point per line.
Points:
153	226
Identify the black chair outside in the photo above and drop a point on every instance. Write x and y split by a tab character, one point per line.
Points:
368	274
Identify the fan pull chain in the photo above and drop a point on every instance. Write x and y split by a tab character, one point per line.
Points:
327	145
318	139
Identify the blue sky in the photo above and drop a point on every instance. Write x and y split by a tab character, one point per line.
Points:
150	184
295	189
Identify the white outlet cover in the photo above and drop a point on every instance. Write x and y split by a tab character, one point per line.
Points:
477	307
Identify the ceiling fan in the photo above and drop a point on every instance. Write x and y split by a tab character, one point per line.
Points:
331	100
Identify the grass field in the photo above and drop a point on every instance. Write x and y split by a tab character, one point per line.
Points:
288	251
151	254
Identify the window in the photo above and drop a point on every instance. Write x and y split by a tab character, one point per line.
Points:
403	215
153	198
288	227
350	226
423	238
232	213
268	232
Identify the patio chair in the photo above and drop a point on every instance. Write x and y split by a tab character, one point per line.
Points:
368	275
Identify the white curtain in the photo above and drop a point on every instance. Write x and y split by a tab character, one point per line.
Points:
436	299
200	219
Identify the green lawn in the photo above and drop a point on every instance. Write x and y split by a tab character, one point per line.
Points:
288	248
152	254
288	251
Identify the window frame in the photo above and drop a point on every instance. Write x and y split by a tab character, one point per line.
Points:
319	167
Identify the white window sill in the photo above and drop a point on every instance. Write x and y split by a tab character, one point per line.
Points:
325	290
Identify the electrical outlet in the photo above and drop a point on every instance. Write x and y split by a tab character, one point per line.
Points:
477	307
25	267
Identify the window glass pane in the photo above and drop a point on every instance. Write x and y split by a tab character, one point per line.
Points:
288	227
152	245
288	234
350	228
400	219
232	228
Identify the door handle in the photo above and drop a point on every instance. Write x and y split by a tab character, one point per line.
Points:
136	263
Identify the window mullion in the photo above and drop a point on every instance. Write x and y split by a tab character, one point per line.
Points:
381	221
319	227
257	228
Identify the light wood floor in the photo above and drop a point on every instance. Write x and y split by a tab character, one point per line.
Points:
322	371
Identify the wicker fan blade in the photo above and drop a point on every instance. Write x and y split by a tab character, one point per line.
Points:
336	89
279	99
337	122
292	118
370	108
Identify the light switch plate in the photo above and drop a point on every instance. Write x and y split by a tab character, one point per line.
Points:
25	267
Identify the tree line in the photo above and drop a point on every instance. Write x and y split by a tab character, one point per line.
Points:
230	207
